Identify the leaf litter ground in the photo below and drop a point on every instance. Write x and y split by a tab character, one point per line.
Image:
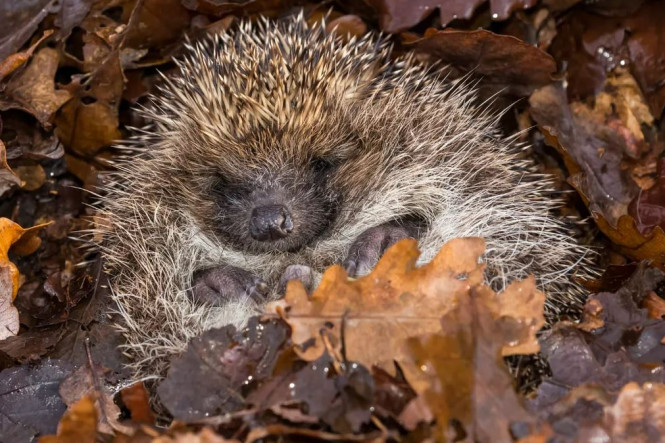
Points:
407	353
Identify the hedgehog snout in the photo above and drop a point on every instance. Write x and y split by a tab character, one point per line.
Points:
270	223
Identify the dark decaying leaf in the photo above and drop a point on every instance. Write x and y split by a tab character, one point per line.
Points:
591	45
157	23
596	171
316	391
219	8
20	18
618	351
29	396
209	377
392	394
396	15
500	60
25	138
71	14
648	207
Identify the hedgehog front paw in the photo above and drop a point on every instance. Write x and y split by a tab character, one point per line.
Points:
222	284
368	248
296	272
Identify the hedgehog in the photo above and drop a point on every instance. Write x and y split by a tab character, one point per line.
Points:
279	149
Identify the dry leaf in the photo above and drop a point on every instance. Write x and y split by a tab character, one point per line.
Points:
205	435
655	305
81	384
396	15
520	310
137	399
632	242
381	310
460	373
347	26
501	60
32	176
638	414
34	89
90	121
14	61
594	164
8	178
22	242
458	366
78	425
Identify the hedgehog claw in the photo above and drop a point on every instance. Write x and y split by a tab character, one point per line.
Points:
368	248
217	286
296	272
258	290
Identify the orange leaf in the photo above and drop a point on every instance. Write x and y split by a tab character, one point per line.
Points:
8	178
78	425
396	301
137	400
631	241
14	61
21	241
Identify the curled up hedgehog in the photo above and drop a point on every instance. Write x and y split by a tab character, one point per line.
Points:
279	149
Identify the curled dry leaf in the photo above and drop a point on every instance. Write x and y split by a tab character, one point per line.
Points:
648	207
618	343
137	400
595	147
654	305
79	424
8	178
22	242
33	89
592	45
14	61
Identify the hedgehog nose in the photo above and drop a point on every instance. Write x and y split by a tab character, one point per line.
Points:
270	223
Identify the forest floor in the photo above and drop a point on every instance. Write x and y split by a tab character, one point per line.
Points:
407	354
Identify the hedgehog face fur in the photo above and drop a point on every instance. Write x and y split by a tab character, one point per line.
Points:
279	150
272	207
